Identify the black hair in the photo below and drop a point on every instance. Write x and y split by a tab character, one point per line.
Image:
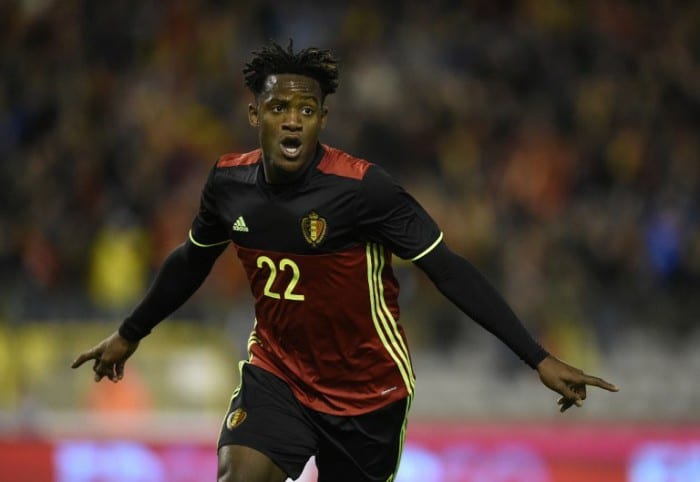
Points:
272	58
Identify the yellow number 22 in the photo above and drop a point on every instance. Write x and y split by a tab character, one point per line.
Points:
284	264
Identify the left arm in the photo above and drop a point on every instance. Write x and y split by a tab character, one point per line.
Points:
388	214
469	290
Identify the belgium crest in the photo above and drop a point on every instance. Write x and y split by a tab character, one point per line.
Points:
235	418
313	227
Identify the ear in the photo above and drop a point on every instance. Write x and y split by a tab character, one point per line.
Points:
253	115
324	115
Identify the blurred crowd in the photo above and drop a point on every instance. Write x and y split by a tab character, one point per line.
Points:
556	142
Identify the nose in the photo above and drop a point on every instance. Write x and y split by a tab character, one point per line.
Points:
292	122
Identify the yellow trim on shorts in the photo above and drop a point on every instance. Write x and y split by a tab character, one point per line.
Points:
236	390
409	399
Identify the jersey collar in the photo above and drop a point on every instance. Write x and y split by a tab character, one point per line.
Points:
278	189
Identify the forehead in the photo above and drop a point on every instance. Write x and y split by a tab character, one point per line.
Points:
290	84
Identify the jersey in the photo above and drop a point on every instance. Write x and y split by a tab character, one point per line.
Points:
318	257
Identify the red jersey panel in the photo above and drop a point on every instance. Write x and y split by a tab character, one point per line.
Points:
333	339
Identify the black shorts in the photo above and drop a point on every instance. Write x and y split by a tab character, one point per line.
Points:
265	415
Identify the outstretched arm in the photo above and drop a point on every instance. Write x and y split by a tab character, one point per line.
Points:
182	273
467	288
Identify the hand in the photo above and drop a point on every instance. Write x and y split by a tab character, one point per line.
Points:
109	355
569	381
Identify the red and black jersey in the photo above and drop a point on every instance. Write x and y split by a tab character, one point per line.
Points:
317	253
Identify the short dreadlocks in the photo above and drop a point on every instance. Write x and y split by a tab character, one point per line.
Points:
272	58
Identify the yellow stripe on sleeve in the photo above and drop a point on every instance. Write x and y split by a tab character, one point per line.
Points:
194	241
429	249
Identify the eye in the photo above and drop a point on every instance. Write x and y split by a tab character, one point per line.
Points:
307	110
277	108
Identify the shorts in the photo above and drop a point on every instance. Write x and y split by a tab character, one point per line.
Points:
265	415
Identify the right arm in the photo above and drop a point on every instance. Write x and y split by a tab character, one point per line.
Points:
182	273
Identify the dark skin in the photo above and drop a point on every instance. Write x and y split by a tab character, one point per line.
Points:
289	115
288	112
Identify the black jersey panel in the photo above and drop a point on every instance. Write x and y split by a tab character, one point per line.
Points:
207	228
324	212
389	215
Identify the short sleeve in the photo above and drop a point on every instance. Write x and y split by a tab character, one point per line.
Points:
207	229
387	214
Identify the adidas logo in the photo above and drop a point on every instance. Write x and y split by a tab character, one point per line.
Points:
239	225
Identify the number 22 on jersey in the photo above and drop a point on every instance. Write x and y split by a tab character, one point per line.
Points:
283	265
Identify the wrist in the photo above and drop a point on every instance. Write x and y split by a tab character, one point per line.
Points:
536	358
543	362
130	333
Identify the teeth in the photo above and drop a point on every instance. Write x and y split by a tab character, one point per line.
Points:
290	150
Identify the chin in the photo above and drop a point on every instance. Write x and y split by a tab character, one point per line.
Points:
292	162
289	166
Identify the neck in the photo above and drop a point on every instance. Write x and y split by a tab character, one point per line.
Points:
275	175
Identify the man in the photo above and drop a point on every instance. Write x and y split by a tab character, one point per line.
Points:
329	372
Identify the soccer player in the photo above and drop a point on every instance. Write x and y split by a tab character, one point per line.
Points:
329	372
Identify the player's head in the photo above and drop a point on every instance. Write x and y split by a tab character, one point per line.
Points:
311	62
289	112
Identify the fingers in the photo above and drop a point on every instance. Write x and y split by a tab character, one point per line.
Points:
113	373
572	395
598	382
120	371
565	404
577	376
100	368
109	370
83	357
109	357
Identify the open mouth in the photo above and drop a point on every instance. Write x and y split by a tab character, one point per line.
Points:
291	146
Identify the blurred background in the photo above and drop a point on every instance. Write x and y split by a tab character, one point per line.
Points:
555	142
